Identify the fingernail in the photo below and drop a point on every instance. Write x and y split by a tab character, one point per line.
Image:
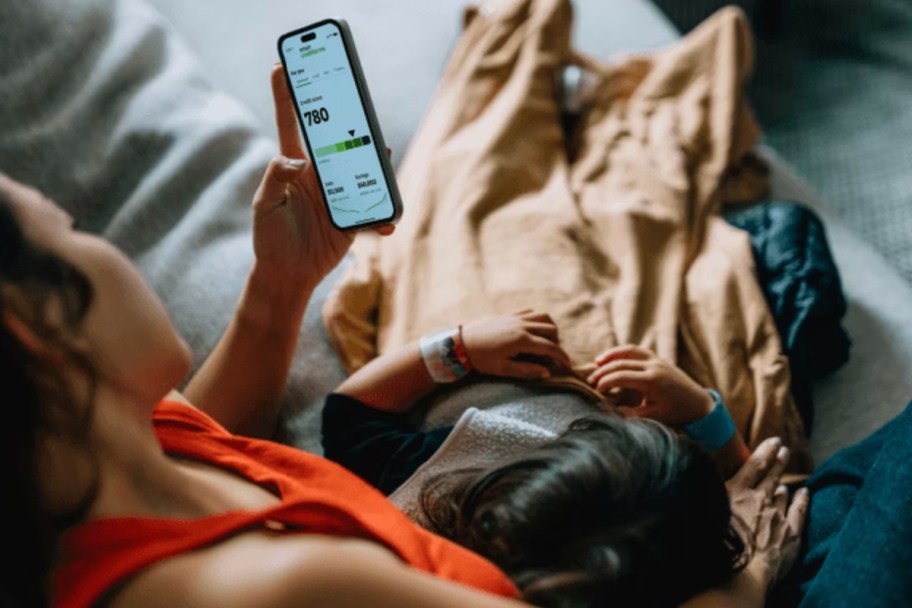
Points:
545	374
804	492
783	453
296	163
776	441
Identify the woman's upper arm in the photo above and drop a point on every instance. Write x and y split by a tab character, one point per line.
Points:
289	572
343	580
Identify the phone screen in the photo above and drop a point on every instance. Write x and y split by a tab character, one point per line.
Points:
336	126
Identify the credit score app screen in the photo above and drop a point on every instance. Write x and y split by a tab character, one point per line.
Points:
336	127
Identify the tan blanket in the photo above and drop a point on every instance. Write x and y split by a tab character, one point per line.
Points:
621	245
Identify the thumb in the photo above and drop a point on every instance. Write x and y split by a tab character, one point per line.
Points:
280	172
641	410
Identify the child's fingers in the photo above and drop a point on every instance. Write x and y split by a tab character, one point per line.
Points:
627	351
641	411
545	330
635	380
537	345
614	367
536	317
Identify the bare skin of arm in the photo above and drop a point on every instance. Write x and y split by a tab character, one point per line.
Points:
292	571
242	382
394	382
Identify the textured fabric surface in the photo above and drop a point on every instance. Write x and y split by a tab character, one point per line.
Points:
493	421
858	546
802	287
874	386
621	246
834	97
832	90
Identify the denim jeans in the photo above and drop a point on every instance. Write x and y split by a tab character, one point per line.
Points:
858	546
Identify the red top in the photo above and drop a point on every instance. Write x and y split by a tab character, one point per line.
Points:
317	496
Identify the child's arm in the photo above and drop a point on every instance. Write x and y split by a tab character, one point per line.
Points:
394	382
668	395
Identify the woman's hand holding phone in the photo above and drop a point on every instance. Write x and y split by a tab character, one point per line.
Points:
295	243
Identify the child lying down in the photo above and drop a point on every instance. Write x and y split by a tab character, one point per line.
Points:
575	504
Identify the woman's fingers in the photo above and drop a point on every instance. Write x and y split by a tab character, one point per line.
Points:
385	229
286	119
273	188
614	367
626	351
797	511
756	467
635	380
770	481
780	500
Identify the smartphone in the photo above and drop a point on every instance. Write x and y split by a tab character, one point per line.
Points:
340	126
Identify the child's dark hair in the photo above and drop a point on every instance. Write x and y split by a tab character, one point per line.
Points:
37	399
615	512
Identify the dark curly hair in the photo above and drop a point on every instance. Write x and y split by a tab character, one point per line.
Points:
615	512
38	400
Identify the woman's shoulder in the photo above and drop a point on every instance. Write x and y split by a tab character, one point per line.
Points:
275	571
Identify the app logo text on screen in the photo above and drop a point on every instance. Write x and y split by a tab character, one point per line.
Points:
336	127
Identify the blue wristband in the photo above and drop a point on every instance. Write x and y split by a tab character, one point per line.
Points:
715	429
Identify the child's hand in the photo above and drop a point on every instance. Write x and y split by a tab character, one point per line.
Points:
508	345
661	390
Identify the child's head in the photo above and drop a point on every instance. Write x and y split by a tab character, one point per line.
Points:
614	512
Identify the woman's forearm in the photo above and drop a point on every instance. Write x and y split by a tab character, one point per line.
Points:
392	382
242	382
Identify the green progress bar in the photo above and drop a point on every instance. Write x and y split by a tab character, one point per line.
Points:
342	146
